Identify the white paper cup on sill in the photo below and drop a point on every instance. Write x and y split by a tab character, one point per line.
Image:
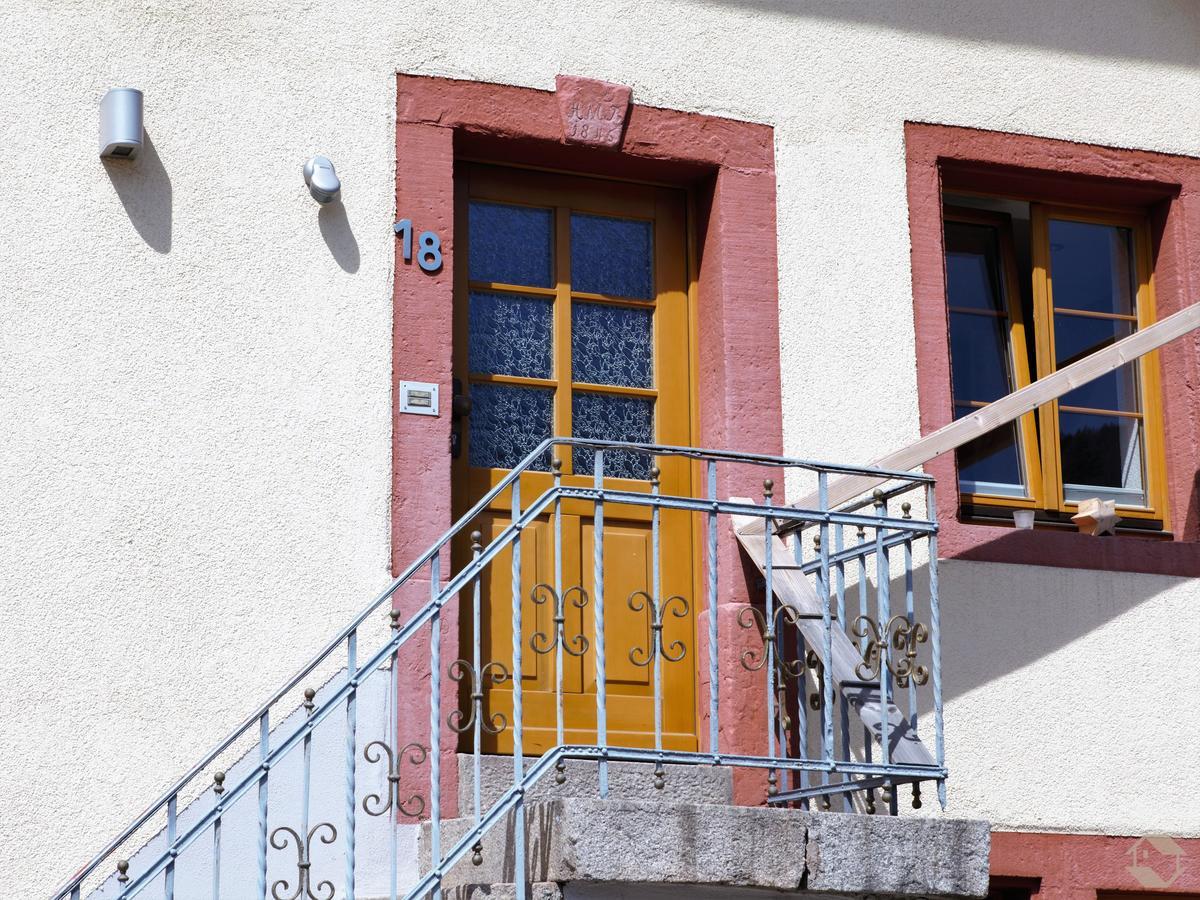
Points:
1023	518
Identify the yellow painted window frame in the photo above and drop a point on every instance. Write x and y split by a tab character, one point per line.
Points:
1149	383
1018	355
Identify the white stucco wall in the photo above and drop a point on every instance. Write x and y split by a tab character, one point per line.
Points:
195	363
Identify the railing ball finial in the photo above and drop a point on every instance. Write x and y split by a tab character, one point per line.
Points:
477	540
477	854
906	508
655	472
877	494
817	542
768	487
394	615
556	465
122	870
218	783
916	800
309	693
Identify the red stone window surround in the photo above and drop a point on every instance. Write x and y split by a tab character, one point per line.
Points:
1167	188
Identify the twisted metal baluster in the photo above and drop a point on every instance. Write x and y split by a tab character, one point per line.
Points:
935	635
840	588
476	732
351	754
172	832
656	626
769	645
218	790
598	590
517	699
435	717
264	737
714	696
560	773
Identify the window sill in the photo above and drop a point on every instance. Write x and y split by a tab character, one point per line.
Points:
996	539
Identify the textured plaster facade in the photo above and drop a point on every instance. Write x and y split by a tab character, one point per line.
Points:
196	363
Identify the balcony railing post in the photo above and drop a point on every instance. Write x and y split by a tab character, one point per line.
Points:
883	590
656	616
172	833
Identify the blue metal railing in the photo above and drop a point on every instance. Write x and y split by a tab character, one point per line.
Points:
789	667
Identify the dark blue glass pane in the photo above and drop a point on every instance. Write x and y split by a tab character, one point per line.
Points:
1114	390
990	464
611	345
979	356
1091	267
972	268
507	423
609	418
1101	452
510	244
1078	336
612	256
510	335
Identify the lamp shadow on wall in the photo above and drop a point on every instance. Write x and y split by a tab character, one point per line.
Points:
339	237
144	189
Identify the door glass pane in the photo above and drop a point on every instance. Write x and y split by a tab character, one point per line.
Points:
1091	267
612	256
979	357
611	345
1102	457
991	464
507	422
611	418
510	244
510	334
972	267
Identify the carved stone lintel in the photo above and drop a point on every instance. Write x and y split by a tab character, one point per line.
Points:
593	112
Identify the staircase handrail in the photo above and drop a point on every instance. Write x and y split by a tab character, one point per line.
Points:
431	606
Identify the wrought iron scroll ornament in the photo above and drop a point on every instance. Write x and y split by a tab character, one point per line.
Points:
753	659
324	832
497	673
414	805
899	635
543	643
677	650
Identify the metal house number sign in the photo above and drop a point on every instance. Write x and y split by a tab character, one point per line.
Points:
429	246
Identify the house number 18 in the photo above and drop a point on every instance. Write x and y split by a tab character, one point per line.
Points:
429	246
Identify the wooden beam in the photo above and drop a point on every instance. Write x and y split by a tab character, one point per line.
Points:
1009	408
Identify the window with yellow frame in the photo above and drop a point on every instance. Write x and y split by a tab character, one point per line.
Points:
1030	289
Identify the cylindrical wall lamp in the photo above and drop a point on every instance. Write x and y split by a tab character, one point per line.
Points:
121	124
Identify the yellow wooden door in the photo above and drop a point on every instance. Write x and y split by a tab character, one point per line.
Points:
572	319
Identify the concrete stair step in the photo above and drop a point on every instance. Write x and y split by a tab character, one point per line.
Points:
587	841
626	781
542	890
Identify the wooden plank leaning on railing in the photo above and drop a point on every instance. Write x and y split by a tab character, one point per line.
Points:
1008	408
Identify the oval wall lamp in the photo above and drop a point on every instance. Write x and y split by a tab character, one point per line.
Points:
322	180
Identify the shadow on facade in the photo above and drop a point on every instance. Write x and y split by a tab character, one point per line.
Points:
144	188
1165	31
339	237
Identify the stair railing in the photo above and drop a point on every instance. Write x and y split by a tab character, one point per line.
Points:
761	643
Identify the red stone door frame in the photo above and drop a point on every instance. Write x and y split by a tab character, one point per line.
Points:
728	169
